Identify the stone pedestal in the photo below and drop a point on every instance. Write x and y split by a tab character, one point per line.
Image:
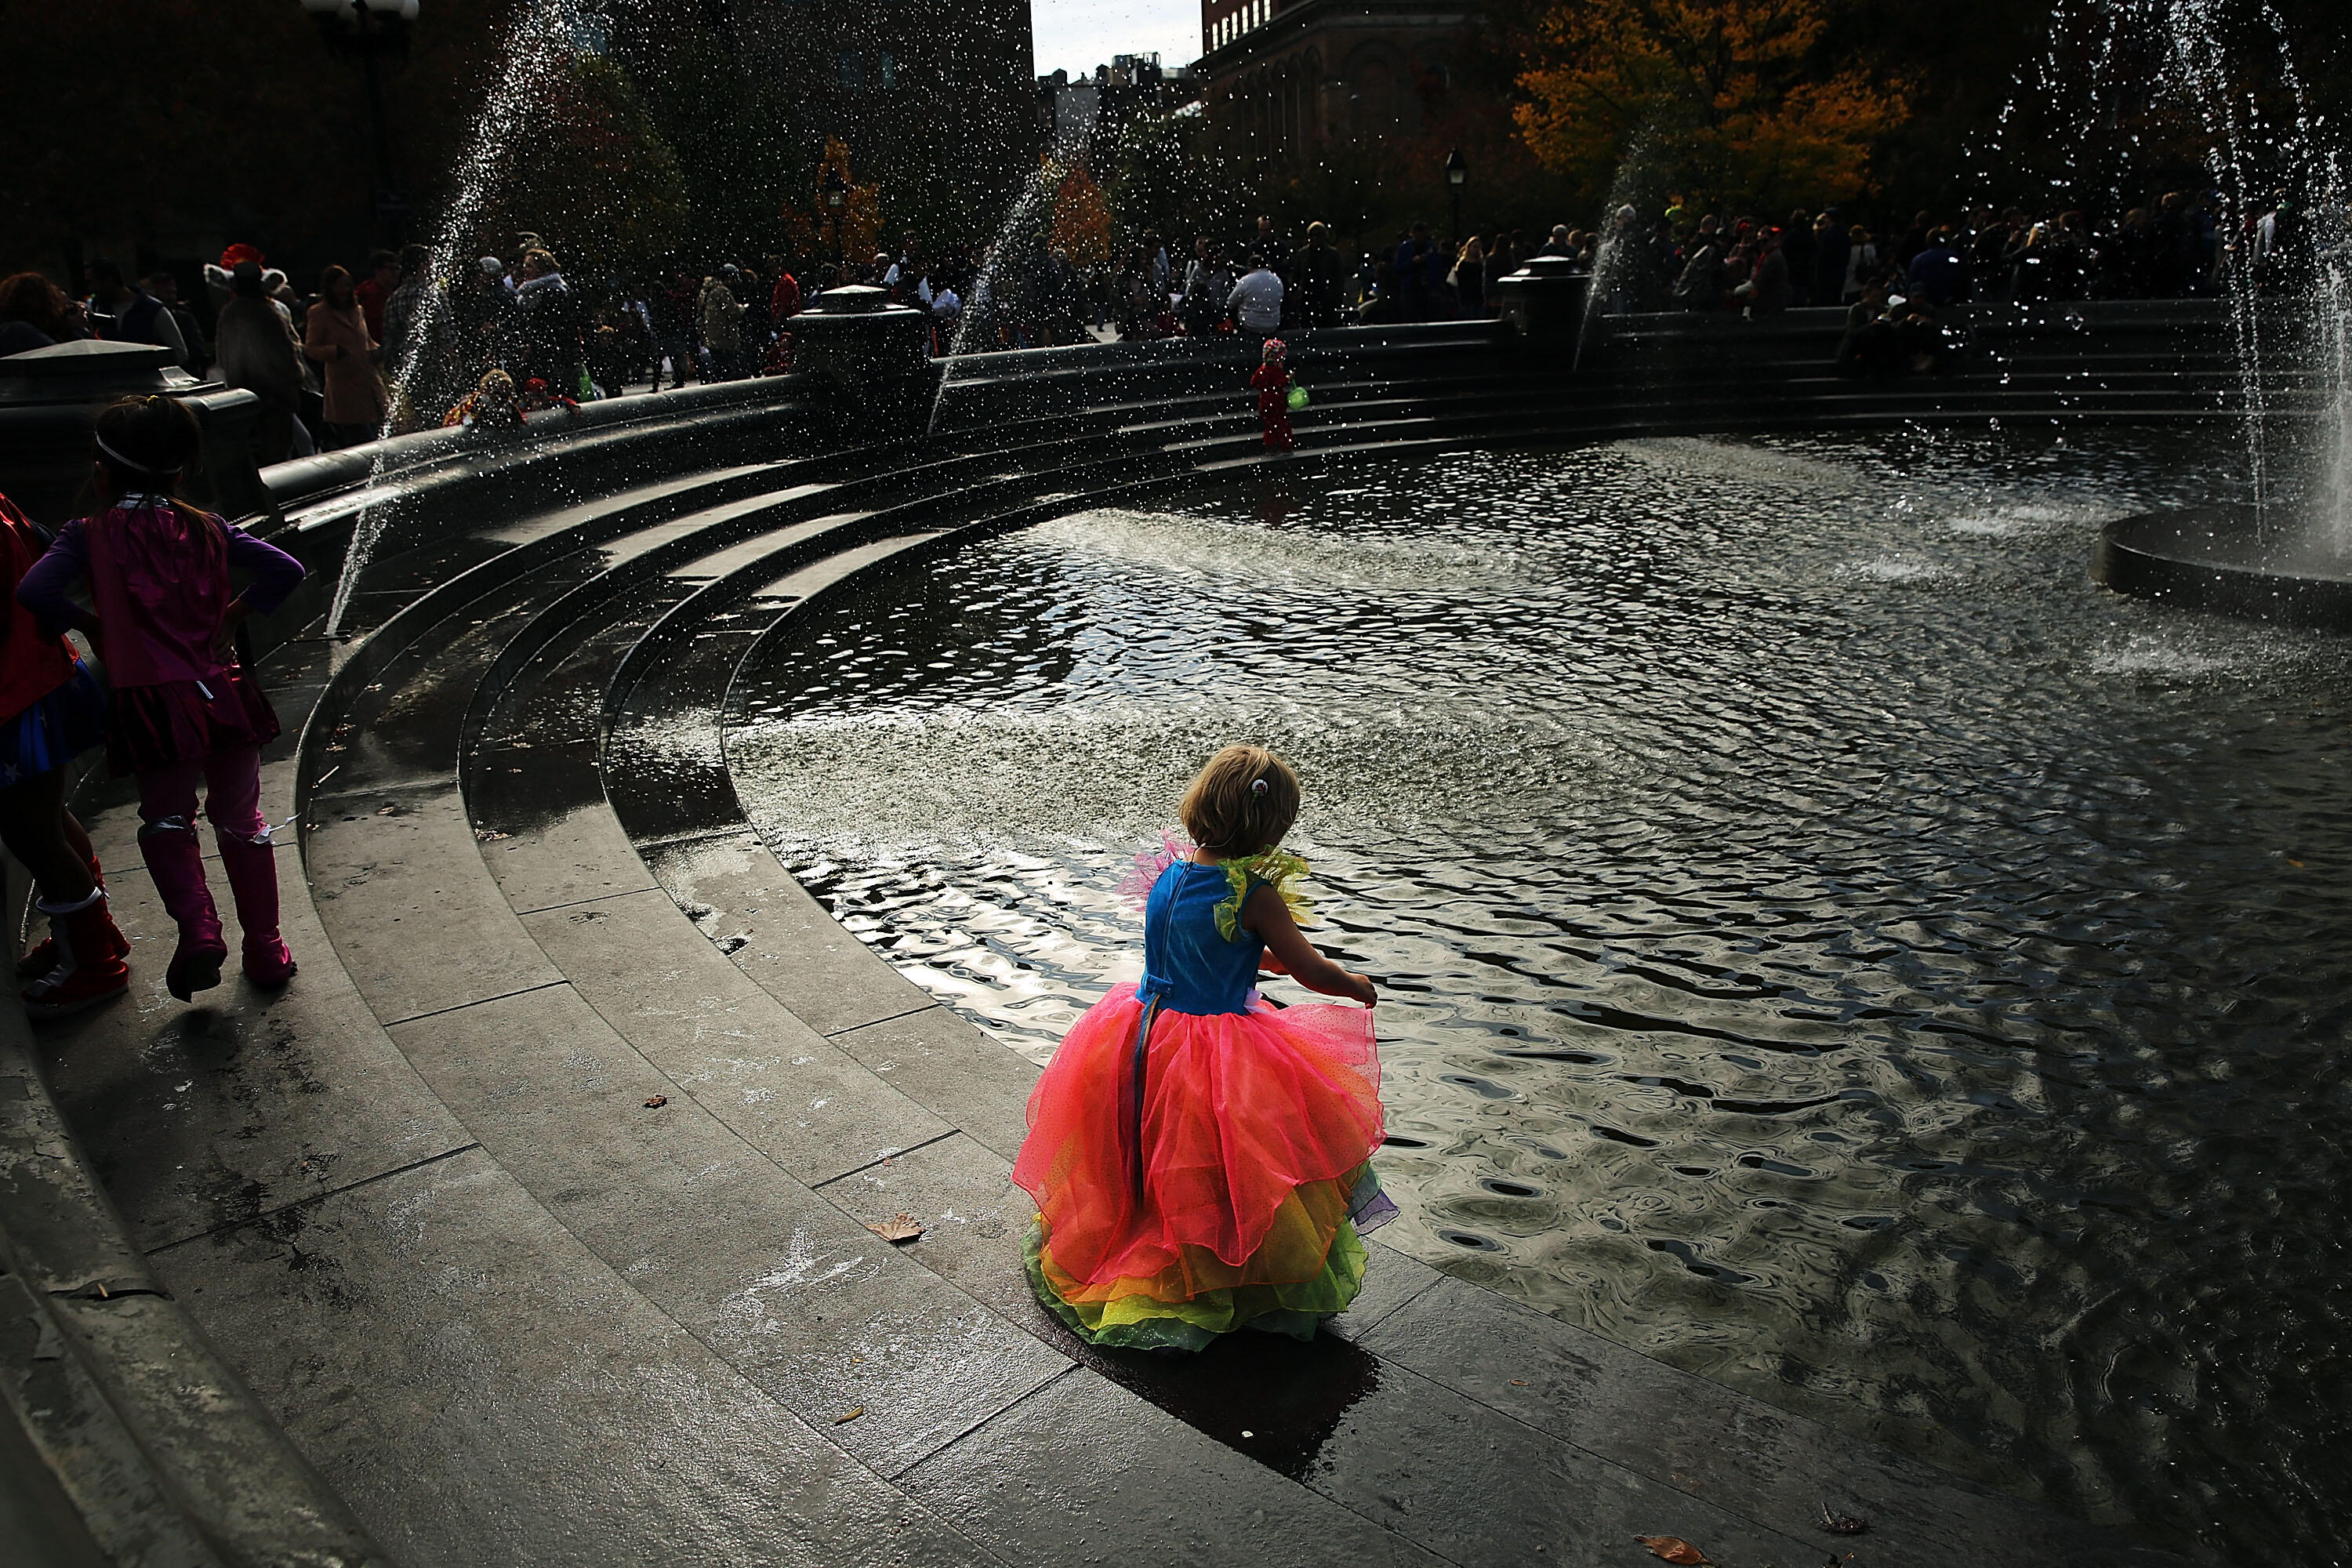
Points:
1545	299
877	355
50	400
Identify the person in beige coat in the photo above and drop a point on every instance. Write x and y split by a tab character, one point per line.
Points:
335	335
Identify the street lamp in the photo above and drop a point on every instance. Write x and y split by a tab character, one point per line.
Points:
367	28
837	191
1456	173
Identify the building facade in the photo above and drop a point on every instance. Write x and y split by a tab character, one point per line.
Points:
1284	80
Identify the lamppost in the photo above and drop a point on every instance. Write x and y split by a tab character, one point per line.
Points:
837	193
1456	173
368	29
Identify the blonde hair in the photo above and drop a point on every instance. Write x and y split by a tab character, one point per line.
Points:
1241	803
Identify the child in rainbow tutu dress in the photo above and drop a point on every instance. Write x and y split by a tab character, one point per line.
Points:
1200	1160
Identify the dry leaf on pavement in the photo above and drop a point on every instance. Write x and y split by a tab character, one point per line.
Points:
1672	1548
1842	1524
656	1102
851	1414
896	1228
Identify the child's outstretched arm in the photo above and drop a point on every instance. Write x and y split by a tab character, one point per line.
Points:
1269	917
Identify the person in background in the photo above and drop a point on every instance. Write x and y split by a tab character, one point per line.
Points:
383	278
1313	297
1830	243
947	311
127	315
1413	294
183	710
493	404
52	708
1936	273
547	320
1796	242
1700	287
1766	292
165	289
408	314
335	337
34	313
1469	278
481	315
1860	263
721	319
256	353
1379	306
1255	298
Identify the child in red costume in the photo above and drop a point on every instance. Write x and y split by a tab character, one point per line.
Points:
1272	379
183	710
51	707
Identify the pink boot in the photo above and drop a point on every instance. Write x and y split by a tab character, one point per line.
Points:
252	870
176	862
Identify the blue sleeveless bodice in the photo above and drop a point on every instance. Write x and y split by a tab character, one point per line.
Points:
1189	967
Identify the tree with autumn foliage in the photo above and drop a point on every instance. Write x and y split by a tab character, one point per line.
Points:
1732	100
1081	218
814	230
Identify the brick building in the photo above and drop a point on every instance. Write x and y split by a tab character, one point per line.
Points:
1286	78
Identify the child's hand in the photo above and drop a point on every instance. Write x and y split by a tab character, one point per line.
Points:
1360	986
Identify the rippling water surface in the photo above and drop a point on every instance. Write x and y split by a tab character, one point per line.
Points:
1823	940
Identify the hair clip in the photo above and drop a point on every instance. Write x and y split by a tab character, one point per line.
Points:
1257	786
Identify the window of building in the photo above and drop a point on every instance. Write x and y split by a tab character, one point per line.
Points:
853	71
889	68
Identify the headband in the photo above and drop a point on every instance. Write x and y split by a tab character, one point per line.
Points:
122	461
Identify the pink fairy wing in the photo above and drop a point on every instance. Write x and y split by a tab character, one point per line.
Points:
1137	885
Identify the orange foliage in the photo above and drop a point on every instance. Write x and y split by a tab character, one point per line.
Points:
1720	97
812	232
1081	219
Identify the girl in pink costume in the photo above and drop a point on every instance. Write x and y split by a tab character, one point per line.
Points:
183	710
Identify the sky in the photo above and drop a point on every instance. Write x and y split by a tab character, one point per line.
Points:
1079	35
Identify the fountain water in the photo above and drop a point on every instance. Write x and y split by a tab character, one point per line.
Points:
544	39
2288	551
999	268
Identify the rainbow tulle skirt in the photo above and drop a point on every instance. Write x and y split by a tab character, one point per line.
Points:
1218	1179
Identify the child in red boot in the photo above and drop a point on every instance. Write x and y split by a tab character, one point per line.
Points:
183	710
1272	379
54	708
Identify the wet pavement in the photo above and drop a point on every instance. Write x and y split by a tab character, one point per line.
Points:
537	1209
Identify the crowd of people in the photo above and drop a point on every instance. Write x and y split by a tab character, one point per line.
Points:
406	341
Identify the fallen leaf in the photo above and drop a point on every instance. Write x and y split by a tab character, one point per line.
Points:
488	836
387	811
1672	1548
846	1417
1842	1524
2296	864
1518	1382
656	1102
896	1228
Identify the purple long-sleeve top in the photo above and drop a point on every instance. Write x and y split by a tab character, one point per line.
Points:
47	588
